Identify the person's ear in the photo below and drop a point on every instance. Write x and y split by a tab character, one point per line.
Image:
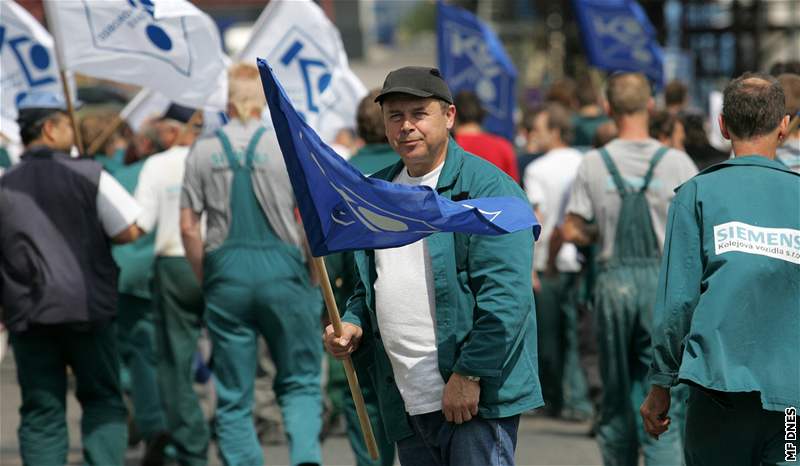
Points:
651	105
606	107
450	114
722	128
783	128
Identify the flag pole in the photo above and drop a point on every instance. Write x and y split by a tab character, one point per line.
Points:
103	137
352	378
53	23
71	110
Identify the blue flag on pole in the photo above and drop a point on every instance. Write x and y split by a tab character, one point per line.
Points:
618	36
472	58
342	210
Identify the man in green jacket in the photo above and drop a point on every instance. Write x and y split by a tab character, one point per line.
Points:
726	321
445	327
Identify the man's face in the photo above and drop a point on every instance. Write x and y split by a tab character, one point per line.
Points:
540	133
58	132
417	128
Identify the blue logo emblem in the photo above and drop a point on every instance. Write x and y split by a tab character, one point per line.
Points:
164	40
33	60
471	65
305	70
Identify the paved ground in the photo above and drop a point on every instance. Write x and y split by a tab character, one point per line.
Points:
541	441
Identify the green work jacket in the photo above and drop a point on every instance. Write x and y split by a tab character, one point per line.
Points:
485	317
727	315
374	157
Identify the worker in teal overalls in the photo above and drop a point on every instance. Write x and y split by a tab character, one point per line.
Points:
136	328
627	221
255	280
726	317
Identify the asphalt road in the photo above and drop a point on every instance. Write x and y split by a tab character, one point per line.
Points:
541	441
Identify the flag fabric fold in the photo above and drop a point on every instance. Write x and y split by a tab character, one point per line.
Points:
618	36
343	210
169	46
307	54
472	58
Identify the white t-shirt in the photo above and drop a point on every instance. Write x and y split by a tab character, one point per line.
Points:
547	183
159	194
116	208
405	304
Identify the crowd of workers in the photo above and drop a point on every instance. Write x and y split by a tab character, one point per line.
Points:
173	264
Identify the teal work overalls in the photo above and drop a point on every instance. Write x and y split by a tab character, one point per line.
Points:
256	283
625	293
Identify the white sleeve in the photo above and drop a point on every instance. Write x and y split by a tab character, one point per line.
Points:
534	189
116	208
580	199
147	196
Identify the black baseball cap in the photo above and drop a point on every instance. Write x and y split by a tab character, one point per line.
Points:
178	113
419	81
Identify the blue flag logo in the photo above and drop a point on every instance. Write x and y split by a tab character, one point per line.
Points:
472	58
342	210
618	36
34	65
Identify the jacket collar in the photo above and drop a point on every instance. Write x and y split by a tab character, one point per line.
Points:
450	171
751	160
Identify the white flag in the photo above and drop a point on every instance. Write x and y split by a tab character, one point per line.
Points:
306	53
27	62
169	46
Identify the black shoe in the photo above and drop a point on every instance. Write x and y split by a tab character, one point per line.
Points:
154	454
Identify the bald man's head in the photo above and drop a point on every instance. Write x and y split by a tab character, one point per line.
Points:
753	105
628	93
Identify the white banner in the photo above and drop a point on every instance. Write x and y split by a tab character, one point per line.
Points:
306	53
27	62
169	46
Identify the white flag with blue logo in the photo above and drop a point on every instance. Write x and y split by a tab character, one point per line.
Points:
27	62
306	53
169	46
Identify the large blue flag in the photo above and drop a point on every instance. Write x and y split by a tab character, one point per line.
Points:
342	210
472	58
618	36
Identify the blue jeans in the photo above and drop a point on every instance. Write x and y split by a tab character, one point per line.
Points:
479	442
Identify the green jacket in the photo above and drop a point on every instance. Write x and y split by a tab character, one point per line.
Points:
485	317
726	315
374	157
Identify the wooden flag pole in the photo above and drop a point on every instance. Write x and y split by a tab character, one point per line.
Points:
103	137
352	378
71	110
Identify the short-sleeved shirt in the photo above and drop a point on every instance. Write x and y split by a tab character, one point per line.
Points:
208	180
158	192
116	208
594	195
547	183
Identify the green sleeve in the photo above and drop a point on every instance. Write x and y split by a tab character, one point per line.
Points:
356	307
678	288
500	279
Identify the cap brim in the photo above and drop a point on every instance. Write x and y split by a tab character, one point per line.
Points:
403	90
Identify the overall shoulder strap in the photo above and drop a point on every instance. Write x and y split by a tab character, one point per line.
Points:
612	169
251	147
228	148
653	162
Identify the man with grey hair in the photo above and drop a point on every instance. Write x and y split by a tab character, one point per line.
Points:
619	200
726	321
